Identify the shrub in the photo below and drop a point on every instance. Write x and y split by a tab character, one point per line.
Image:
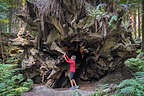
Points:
137	64
132	87
12	83
129	87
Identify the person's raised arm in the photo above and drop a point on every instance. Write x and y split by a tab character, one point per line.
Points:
66	59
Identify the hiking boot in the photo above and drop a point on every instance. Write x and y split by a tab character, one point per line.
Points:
76	87
72	88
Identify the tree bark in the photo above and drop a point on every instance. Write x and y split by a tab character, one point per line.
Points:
10	18
139	24
1	44
67	27
135	30
142	26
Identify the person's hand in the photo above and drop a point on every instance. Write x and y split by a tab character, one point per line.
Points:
64	55
85	50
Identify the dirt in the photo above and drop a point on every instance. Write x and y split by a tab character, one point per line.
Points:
44	91
86	88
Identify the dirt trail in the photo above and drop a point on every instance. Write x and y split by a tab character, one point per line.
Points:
86	88
44	91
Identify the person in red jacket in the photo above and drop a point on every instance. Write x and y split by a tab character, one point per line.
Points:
72	70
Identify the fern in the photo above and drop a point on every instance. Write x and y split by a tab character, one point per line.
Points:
129	87
132	87
12	84
117	94
96	93
128	90
129	82
76	93
136	64
113	18
139	75
140	55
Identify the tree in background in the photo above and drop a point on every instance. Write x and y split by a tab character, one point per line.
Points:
139	24
8	10
9	22
142	25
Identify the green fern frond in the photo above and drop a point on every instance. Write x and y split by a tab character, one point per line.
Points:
135	63
11	83
129	82
128	90
139	74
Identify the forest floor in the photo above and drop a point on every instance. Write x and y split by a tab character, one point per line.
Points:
86	88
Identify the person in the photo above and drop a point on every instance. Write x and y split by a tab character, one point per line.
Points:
72	70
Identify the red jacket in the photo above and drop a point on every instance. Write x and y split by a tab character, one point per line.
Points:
72	63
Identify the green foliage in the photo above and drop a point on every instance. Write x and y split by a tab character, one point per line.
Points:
139	74
12	84
137	63
129	82
98	12
5	5
132	87
139	50
135	86
113	18
96	93
76	93
129	87
127	90
3	12
140	55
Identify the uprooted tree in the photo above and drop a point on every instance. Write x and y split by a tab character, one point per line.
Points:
90	29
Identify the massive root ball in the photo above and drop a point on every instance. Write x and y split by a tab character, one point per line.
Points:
67	27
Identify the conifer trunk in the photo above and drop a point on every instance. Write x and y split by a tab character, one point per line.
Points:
142	26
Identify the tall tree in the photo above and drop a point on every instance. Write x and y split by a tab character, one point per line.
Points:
14	22
142	25
10	18
135	22
3	24
1	42
139	24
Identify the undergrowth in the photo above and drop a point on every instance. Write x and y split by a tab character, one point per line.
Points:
129	87
12	83
136	64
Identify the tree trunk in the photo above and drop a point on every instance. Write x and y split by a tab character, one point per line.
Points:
68	27
142	26
135	31
139	33
132	18
2	25
10	18
1	44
